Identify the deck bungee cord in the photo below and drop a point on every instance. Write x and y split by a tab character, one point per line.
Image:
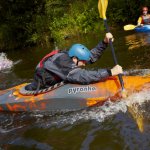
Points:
25	92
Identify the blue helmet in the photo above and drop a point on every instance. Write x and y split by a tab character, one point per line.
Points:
80	51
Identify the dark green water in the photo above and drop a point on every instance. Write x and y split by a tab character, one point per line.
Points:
114	126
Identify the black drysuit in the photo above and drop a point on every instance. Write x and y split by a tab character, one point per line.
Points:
60	67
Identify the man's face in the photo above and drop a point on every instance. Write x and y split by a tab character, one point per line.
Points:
145	11
81	63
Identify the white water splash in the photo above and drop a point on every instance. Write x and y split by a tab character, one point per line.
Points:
138	98
5	63
101	113
137	72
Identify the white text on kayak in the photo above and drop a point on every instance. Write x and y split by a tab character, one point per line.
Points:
76	90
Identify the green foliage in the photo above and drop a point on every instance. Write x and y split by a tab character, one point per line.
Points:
17	22
39	22
71	18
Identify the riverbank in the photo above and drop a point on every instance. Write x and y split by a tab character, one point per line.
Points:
48	21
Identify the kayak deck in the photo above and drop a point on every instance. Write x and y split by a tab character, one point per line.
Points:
145	28
70	96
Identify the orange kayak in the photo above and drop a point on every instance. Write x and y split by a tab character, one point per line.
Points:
70	96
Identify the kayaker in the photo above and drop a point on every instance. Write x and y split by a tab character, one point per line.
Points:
144	19
67	66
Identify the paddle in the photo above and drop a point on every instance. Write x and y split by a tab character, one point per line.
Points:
102	7
129	27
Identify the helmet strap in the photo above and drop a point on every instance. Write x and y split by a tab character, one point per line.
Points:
78	62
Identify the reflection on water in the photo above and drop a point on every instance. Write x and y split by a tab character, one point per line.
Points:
138	49
114	126
137	40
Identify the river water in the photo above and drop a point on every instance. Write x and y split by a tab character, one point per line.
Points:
123	125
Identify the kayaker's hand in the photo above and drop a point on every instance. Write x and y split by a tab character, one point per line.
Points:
141	25
116	70
108	36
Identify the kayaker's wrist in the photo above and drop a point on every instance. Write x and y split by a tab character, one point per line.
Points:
108	37
109	72
104	42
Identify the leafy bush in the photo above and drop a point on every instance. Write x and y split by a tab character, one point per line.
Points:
39	22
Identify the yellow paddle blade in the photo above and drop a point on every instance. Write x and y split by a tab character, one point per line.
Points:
129	27
102	7
138	118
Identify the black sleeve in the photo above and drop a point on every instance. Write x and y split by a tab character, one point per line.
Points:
98	51
83	76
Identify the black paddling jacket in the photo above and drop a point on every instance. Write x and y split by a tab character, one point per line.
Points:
65	69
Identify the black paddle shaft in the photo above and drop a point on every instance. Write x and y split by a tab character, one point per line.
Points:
114	55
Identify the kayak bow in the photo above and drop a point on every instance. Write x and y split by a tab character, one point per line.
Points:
70	96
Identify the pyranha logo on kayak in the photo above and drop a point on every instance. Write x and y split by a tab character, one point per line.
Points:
76	90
